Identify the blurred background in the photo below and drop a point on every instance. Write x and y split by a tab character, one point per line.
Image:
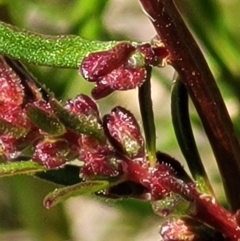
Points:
215	25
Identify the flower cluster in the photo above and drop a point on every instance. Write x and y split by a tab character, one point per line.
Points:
121	68
109	149
31	125
35	125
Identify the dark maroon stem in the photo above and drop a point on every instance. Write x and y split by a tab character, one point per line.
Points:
211	213
204	207
187	59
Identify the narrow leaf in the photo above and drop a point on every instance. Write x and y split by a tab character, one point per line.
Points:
45	121
78	123
21	167
61	194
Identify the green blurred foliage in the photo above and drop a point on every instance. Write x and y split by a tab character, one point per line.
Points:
214	23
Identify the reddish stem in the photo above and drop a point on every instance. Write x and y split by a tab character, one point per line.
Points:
159	182
187	59
211	213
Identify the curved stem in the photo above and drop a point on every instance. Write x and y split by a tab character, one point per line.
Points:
145	102
189	62
185	137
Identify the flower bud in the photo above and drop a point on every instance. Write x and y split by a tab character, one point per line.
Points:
124	133
13	120
99	64
188	229
122	78
10	86
54	153
83	105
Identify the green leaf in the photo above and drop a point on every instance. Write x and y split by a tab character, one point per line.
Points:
173	204
45	121
66	51
78	123
66	176
20	167
11	129
64	193
184	134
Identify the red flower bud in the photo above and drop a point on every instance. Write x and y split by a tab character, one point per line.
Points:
99	64
101	165
121	68
83	105
188	229
13	120
10	86
99	159
54	153
124	133
8	149
122	78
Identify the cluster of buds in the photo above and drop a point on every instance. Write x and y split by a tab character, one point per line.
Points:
34	125
121	68
29	128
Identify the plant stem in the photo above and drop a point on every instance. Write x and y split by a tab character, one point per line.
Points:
209	211
187	59
146	109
